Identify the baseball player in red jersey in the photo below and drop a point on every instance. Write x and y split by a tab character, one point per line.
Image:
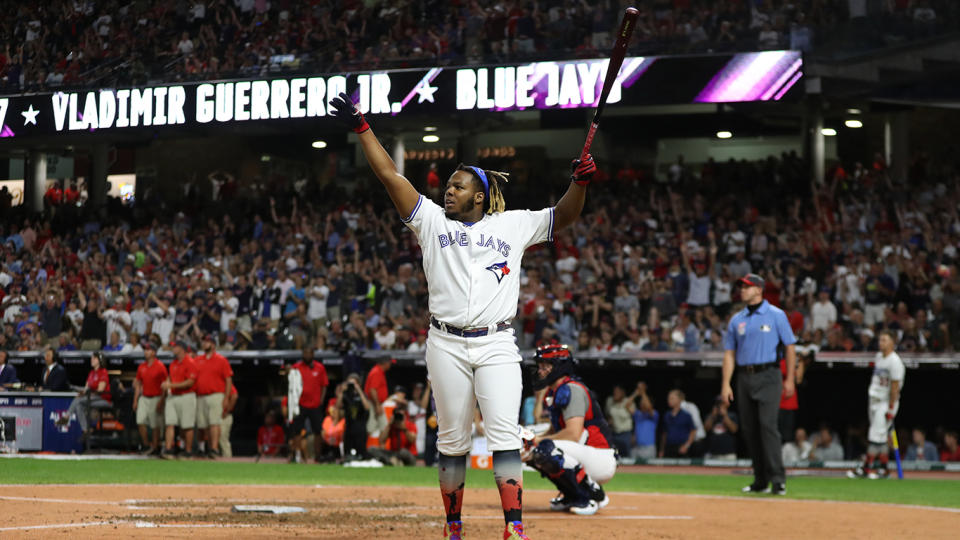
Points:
576	453
472	250
148	397
214	378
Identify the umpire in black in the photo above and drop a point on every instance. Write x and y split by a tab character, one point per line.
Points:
752	342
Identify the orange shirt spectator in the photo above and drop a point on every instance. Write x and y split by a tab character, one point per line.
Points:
333	430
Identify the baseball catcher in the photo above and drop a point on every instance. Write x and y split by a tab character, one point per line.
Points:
575	453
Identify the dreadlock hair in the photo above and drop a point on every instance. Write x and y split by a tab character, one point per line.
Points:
495	202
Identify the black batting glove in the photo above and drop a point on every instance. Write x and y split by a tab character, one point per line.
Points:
348	114
582	170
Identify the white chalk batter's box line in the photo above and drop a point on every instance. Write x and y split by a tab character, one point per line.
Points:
407	488
140	524
137	524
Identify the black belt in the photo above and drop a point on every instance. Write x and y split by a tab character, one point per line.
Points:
467	332
757	368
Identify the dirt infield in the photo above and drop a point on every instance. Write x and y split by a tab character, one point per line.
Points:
147	511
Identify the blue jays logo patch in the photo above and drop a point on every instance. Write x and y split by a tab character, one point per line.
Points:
499	269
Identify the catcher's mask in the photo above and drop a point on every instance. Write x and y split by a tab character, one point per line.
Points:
560	359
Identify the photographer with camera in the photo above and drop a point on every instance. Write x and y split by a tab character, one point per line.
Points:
356	409
398	441
721	425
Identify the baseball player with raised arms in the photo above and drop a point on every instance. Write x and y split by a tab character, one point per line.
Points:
883	402
575	453
472	249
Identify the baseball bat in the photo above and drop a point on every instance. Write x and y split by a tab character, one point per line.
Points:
896	451
613	69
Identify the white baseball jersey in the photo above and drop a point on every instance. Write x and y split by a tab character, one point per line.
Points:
885	369
473	271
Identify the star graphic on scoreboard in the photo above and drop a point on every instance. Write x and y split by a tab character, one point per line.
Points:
30	115
425	92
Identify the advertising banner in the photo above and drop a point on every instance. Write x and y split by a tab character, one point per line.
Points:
720	78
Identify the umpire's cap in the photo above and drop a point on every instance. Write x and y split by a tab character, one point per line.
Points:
753	280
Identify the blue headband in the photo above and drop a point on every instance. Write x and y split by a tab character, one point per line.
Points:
483	178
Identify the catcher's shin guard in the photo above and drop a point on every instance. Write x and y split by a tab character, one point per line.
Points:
572	482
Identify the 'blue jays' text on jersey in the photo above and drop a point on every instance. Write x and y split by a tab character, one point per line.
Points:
473	271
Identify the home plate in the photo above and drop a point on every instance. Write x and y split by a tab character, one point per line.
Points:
268	509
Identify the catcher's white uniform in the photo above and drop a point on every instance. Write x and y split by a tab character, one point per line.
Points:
473	279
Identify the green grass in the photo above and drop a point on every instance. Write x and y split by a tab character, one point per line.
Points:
31	471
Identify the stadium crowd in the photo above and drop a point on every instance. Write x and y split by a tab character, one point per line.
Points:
859	254
67	43
863	252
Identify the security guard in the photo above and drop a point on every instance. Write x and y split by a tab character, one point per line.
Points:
752	339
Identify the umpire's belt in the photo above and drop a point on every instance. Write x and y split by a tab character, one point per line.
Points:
757	368
468	332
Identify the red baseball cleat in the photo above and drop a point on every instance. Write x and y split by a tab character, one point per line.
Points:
453	530
514	531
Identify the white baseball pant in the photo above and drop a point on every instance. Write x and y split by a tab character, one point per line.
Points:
467	371
599	463
877	434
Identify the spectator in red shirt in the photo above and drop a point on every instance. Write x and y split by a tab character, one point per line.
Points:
376	389
787	418
376	385
180	408
951	451
270	436
314	379
148	397
54	195
433	182
71	195
398	441
214	377
95	394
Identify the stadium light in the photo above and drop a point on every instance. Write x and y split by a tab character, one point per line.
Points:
724	134
853	111
854	124
828	132
430	128
265	158
319	144
430	138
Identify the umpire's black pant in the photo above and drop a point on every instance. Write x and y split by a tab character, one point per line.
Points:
758	395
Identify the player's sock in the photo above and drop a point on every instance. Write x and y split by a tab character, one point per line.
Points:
453	473
508	472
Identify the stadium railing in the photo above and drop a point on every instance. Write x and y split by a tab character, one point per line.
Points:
949	361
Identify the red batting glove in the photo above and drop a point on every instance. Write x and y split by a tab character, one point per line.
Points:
583	170
890	416
349	114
